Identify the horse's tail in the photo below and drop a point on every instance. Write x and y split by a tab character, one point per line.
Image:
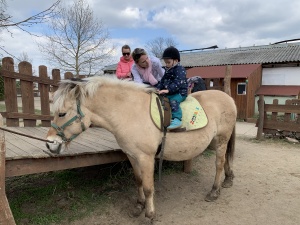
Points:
230	147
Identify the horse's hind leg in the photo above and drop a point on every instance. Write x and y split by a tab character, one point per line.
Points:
139	183
220	160
228	181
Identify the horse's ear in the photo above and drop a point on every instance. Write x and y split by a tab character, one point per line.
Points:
75	91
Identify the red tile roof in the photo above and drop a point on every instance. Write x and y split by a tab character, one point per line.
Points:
238	71
278	90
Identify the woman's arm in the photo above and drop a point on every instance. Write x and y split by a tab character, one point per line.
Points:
136	76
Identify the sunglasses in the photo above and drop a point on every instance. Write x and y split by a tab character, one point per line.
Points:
126	53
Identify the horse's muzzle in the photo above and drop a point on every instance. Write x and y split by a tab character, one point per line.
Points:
55	147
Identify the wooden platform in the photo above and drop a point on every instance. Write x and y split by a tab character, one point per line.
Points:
27	156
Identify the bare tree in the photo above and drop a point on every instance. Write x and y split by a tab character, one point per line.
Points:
24	57
78	42
159	44
7	21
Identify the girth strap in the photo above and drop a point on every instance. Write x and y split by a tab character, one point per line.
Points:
165	122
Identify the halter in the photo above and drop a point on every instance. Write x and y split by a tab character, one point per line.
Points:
60	130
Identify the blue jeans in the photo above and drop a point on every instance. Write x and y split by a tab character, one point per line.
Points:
175	101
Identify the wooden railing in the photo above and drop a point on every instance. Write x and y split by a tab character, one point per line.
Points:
274	117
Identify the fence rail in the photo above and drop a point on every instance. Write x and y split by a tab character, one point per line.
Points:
274	117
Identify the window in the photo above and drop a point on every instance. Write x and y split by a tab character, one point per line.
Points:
241	88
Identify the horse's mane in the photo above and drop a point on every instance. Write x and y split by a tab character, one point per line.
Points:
82	88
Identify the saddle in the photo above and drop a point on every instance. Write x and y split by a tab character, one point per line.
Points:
193	115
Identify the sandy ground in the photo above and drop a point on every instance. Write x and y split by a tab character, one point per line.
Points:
265	191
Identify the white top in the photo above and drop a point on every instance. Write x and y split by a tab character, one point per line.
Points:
157	70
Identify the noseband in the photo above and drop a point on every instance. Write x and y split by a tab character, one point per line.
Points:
60	130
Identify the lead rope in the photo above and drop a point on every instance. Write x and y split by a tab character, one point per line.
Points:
26	135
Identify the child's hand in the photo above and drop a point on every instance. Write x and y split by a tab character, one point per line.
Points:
163	92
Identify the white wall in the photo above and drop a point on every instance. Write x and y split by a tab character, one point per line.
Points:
281	76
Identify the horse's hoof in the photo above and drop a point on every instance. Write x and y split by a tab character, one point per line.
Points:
212	196
150	215
136	211
228	182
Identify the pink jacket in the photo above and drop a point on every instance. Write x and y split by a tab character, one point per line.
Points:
124	67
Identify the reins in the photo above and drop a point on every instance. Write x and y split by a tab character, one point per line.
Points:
26	135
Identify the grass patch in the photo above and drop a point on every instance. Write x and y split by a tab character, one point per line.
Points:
168	167
2	108
66	195
208	153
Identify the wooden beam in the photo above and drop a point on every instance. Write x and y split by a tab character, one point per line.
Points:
26	116
282	108
25	166
261	110
25	77
6	216
227	80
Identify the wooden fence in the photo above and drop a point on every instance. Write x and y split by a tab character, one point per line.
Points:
26	82
274	117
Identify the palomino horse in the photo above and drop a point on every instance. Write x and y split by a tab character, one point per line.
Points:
122	108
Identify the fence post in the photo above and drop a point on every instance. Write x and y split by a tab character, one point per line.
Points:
188	166
261	110
27	93
6	216
68	75
56	78
44	96
10	92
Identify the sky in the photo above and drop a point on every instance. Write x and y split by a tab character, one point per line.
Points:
191	23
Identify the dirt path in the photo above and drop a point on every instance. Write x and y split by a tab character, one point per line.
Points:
265	191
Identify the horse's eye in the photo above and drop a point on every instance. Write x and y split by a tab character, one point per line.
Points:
61	114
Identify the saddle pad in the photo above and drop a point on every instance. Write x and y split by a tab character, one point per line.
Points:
193	115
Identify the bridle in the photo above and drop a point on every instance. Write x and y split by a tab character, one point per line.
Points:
60	129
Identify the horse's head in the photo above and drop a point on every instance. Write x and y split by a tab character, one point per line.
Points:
70	116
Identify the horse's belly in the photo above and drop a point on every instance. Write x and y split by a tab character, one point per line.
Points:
184	151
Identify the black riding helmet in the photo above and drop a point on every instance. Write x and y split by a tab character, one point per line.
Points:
171	53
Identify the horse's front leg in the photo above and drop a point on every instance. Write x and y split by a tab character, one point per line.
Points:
147	170
220	160
141	197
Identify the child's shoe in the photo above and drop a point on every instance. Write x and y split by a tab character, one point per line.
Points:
175	123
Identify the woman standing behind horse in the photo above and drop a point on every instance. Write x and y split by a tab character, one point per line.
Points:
124	65
147	69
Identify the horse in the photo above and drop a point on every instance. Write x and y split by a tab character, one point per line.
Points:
122	107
